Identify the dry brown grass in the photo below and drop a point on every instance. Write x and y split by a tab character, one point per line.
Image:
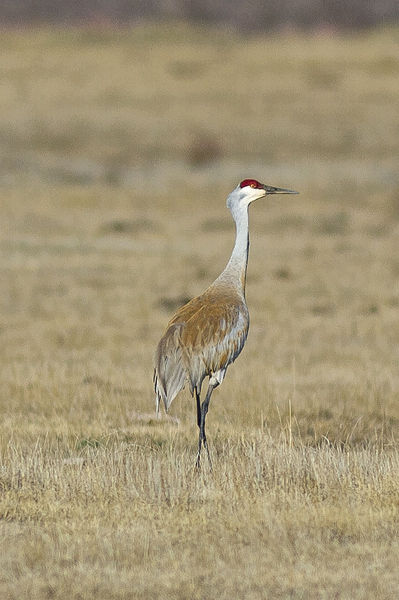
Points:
97	498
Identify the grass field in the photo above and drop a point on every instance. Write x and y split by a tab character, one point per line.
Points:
118	150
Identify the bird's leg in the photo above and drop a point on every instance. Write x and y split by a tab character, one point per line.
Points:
202	435
204	410
197	398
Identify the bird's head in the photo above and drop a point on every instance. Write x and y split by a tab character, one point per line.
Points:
249	190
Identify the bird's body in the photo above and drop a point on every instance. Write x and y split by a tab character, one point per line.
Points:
208	333
201	339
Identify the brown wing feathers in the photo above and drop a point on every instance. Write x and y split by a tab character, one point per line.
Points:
203	337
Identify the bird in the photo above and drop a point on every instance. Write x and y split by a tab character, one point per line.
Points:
208	333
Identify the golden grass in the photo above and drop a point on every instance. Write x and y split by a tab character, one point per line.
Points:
97	497
133	519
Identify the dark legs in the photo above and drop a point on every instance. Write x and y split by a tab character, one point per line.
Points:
201	415
197	397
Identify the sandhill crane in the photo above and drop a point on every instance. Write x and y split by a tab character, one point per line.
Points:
208	333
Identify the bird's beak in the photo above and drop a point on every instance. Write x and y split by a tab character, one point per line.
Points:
275	190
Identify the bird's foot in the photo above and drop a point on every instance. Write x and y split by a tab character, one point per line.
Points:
208	454
198	459
202	441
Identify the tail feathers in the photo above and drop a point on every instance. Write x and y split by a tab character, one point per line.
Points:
170	374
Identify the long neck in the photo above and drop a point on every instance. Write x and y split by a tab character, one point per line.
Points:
236	269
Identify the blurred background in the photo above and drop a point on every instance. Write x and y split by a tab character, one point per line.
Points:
123	127
141	93
257	14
